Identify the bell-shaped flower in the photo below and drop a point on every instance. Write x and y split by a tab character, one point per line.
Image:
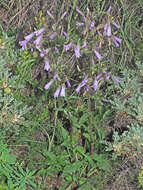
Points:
39	32
84	44
50	15
56	94
92	25
29	37
106	75
56	76
116	79
47	86
47	66
109	9
107	29
52	36
68	46
65	34
23	44
98	55
79	12
115	24
77	51
117	41
95	84
37	42
68	83
78	24
83	83
62	91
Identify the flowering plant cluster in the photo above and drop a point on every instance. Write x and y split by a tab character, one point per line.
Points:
63	50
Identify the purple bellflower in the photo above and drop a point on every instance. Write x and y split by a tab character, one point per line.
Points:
83	83
56	76
47	86
56	94
50	15
77	51
107	29
68	46
116	79
43	52
115	24
117	41
68	83
79	12
106	75
92	25
95	84
109	9
23	44
65	34
98	55
106	100
84	44
29	37
62	91
39	32
37	42
79	24
52	36
47	66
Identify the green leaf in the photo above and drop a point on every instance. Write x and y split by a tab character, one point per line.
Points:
9	158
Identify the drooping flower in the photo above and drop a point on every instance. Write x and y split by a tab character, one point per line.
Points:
43	52
37	42
50	15
56	94
56	76
79	24
106	100
52	36
39	32
115	24
95	84
29	37
108	32
98	55
116	79
47	86
68	83
87	88
63	15
117	41
83	83
23	44
47	66
68	46
109	9
78	11
106	75
56	49
77	51
99	76
92	25
84	44
62	91
107	29
65	34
